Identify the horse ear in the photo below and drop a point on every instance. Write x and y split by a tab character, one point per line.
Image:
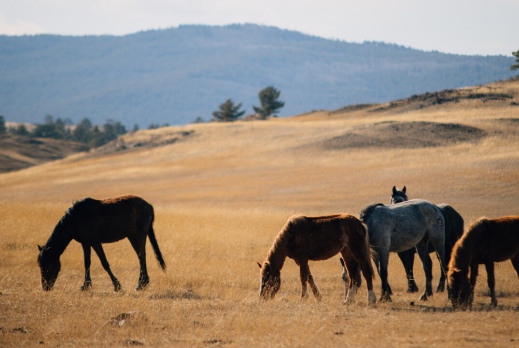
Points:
394	189
403	190
259	265
40	248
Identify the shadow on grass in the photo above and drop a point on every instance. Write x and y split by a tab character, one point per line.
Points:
189	294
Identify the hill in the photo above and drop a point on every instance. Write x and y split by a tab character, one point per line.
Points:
176	75
20	152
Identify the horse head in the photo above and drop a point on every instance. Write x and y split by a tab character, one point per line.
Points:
270	281
460	291
398	196
49	267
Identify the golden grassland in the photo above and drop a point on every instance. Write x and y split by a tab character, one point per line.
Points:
220	197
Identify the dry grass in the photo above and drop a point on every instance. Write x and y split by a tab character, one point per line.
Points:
221	195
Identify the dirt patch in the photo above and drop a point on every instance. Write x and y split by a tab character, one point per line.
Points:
145	139
405	135
17	152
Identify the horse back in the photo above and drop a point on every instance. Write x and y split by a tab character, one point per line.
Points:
110	220
319	238
502	237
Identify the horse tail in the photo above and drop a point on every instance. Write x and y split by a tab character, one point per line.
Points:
153	242
369	251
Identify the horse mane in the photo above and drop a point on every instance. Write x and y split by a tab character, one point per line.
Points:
464	248
366	212
278	252
59	240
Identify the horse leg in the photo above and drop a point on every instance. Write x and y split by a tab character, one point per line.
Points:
421	248
515	263
441	282
386	289
345	278
86	256
491	282
407	258
139	245
104	262
352	268
474	267
306	276
361	262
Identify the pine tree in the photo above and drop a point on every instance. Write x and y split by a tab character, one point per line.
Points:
228	112
3	129
269	102
516	65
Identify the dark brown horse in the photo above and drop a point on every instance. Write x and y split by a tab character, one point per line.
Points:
453	231
485	242
318	238
93	222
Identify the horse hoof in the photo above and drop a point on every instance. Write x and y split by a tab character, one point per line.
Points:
86	286
117	287
141	287
424	297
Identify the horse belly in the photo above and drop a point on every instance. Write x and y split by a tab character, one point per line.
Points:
402	243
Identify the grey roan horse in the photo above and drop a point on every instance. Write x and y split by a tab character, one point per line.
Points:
92	222
454	225
400	227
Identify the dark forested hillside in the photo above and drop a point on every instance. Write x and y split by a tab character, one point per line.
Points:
176	75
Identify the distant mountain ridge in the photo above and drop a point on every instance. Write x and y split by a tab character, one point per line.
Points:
176	75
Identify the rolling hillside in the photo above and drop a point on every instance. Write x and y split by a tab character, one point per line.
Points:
302	156
177	75
19	152
222	191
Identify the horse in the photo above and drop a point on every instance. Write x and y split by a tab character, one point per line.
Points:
399	227
486	241
92	222
306	238
453	231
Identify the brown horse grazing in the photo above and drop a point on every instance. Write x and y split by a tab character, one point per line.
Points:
485	242
318	238
92	222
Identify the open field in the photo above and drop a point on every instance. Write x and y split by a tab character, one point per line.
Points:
221	193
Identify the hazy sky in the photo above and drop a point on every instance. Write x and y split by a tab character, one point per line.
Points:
485	27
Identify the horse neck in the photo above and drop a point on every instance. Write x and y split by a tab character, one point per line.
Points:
277	254
59	239
465	249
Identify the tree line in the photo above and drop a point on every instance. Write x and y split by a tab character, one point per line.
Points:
84	132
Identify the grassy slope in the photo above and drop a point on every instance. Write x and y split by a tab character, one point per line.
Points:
221	195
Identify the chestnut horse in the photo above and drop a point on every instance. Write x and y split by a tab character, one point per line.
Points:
93	222
453	231
318	238
485	242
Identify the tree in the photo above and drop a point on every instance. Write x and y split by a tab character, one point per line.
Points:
83	131
228	112
516	65
3	130
51	129
20	130
269	102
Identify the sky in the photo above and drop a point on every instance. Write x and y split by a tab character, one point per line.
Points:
482	27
